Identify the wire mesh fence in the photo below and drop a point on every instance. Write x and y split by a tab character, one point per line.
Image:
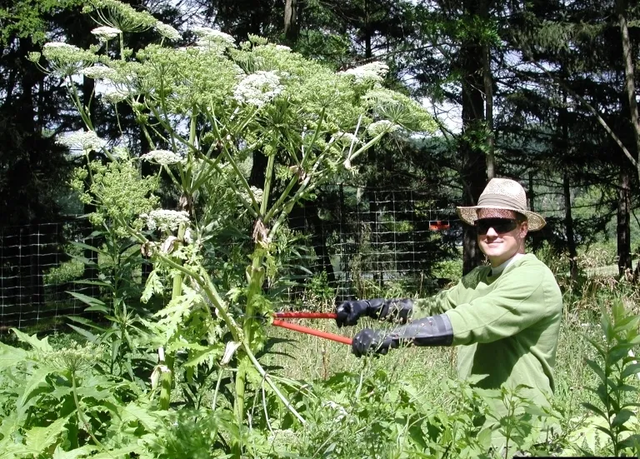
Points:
360	239
33	281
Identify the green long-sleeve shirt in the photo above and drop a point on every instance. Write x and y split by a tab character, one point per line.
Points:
507	325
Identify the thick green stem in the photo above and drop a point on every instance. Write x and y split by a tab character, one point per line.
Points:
81	418
255	274
166	381
268	181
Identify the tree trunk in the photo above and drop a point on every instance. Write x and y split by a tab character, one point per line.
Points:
568	223
629	76
623	228
473	160
488	91
291	24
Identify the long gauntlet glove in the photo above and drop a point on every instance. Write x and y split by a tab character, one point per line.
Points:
394	310
428	331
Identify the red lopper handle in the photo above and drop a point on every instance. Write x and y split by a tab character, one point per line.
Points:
312	331
305	315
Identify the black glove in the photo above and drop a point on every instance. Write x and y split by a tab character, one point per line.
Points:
428	331
348	312
371	341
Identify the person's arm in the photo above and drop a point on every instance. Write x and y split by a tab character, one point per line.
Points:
427	331
401	310
514	305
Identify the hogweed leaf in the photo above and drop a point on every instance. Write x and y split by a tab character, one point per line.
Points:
38	439
33	341
11	356
76	453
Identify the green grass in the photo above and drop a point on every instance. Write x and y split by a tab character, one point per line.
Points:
310	358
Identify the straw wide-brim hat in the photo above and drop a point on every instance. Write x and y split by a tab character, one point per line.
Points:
501	193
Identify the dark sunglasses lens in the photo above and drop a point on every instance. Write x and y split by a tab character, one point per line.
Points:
500	225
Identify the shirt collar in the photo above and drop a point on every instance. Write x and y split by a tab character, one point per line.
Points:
498	269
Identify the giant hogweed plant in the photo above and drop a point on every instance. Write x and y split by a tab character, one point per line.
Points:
207	110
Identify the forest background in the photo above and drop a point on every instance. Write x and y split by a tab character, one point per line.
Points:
543	92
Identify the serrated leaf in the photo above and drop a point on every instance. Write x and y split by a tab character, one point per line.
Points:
37	379
10	356
134	412
152	286
33	341
120	452
198	357
38	439
83	451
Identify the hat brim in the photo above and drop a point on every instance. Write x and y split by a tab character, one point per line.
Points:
470	214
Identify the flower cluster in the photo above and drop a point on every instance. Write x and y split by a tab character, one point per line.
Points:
84	140
162	157
105	33
165	220
209	34
99	72
344	138
115	95
258	88
374	71
167	31
381	127
67	59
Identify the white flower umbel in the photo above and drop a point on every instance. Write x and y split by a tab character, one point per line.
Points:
208	33
258	88
105	33
162	157
344	138
84	140
283	48
374	71
115	95
52	46
67	59
165	220
99	72
121	153
167	31
382	126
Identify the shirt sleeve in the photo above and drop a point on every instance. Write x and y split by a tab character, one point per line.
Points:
446	299
517	302
437	304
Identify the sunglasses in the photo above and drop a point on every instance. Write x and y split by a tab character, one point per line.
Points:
500	225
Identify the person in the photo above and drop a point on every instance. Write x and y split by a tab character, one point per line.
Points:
505	317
